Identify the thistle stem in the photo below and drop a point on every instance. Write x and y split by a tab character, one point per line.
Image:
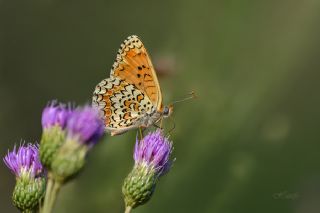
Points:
54	193
47	197
52	190
128	209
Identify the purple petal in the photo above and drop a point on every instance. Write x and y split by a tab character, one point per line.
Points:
86	124
154	149
55	114
26	158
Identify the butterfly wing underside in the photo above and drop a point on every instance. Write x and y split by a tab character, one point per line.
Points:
131	91
133	64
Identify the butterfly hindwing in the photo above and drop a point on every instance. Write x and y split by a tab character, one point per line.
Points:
122	104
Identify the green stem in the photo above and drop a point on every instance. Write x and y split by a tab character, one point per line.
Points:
52	191
47	197
128	209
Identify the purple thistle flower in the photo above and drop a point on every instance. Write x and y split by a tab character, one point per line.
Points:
55	114
154	150
25	160
86	124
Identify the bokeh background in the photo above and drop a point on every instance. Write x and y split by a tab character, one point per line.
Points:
248	143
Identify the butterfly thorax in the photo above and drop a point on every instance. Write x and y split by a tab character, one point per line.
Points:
149	119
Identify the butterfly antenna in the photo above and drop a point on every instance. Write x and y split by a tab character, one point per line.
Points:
191	95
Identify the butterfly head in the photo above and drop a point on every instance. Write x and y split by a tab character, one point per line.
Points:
167	111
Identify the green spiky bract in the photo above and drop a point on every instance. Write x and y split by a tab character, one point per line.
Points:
28	192
52	139
139	185
69	160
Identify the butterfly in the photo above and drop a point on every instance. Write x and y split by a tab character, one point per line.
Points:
131	97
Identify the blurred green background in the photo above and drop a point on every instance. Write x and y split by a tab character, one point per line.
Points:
248	143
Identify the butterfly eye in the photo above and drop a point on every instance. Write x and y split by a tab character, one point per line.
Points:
166	111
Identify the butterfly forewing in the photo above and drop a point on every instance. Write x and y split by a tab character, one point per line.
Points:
134	65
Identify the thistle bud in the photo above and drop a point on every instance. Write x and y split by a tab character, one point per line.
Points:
30	177
139	185
28	193
54	120
151	156
84	128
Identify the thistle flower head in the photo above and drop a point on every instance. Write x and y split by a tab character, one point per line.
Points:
30	179
86	124
154	150
55	114
152	160
24	161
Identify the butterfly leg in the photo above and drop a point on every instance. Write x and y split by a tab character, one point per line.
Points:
161	123
159	127
141	132
174	125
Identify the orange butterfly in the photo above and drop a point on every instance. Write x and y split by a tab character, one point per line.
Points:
131	96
